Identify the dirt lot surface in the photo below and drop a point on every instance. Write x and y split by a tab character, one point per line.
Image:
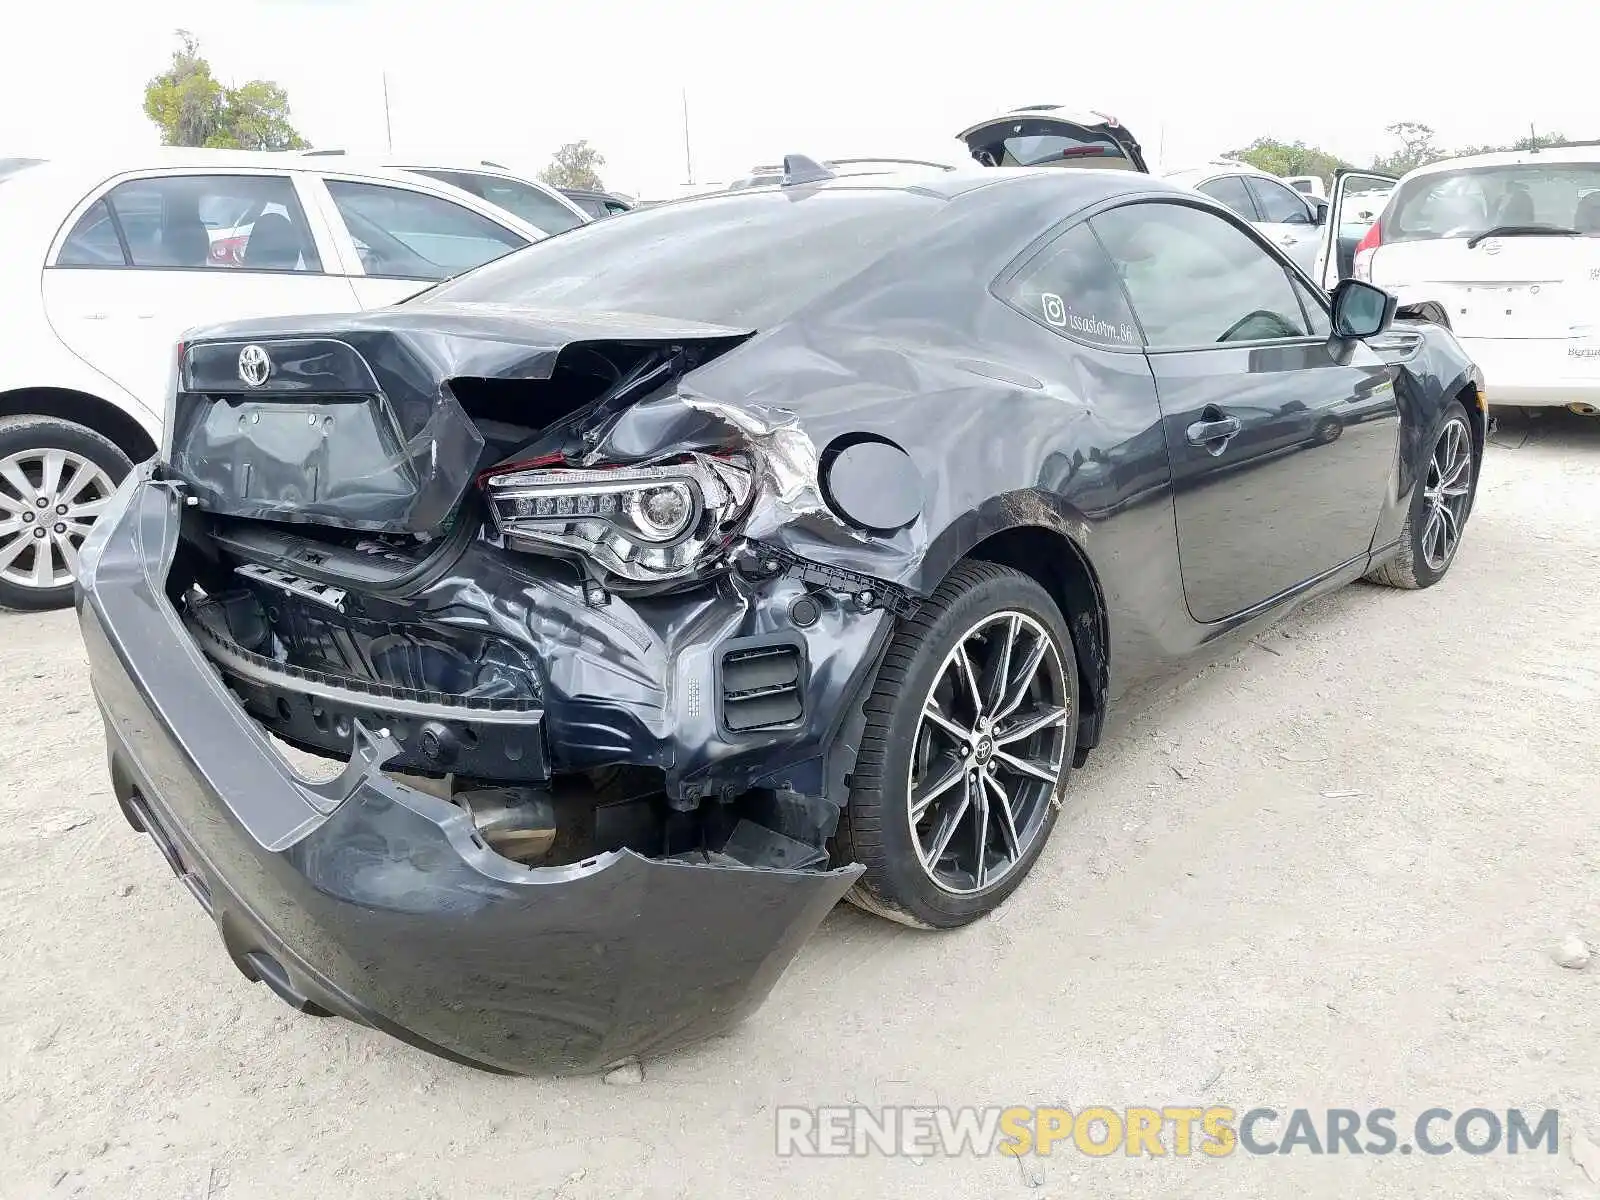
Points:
1330	871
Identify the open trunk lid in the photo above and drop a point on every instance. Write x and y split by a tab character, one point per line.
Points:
380	421
1048	135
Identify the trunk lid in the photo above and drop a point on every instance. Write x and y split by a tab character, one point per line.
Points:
1504	287
1048	135
380	421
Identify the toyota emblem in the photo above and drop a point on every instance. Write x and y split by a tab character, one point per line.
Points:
254	366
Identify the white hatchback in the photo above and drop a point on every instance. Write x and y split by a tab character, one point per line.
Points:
104	265
1507	246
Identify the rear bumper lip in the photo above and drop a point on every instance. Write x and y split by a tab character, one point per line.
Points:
1519	371
372	900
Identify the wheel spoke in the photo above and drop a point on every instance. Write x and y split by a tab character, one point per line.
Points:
1023	766
1008	818
947	829
12	474
1000	676
980	818
1019	688
930	711
1046	718
44	563
1430	531
69	552
928	793
83	475
12	550
50	477
1448	529
88	510
11	504
965	668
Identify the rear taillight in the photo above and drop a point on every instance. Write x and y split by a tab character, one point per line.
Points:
1365	248
642	523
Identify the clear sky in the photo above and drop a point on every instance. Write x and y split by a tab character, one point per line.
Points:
511	81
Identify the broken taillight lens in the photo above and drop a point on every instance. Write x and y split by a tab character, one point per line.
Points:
659	521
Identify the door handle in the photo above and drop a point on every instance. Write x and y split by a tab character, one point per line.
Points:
1214	432
1288	239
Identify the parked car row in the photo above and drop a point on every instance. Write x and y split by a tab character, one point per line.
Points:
106	263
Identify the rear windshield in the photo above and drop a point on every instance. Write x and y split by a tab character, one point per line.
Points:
745	259
10	166
1046	144
1457	204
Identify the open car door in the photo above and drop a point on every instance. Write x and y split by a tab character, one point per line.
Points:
1047	135
1357	200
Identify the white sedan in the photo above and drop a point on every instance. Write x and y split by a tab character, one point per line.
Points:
103	266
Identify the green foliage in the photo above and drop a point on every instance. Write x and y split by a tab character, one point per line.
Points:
1417	149
575	165
1289	158
192	108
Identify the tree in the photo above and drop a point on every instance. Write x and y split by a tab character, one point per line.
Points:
1416	148
1289	158
191	108
1534	141
575	165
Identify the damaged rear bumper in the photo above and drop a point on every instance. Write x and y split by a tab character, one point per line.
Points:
369	899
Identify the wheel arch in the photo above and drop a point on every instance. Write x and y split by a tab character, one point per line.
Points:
82	408
1038	541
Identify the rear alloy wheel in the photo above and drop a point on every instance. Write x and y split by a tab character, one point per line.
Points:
55	480
970	731
1440	505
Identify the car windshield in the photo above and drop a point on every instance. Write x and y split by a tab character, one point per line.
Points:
539	209
743	259
1459	204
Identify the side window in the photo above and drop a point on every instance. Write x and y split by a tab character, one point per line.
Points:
93	241
239	222
412	235
1196	279
537	208
1318	318
1278	203
1072	287
1230	190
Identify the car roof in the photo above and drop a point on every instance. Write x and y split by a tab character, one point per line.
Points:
1582	153
1093	182
1212	170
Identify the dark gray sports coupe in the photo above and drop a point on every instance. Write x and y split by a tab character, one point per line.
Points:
653	588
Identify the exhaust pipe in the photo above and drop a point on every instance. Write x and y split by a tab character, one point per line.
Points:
1584	410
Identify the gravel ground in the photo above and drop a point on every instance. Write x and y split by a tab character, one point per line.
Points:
1330	871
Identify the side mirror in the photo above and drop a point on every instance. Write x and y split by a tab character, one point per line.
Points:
1361	310
1319	210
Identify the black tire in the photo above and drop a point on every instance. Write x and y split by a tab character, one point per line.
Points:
876	828
1411	566
21	439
